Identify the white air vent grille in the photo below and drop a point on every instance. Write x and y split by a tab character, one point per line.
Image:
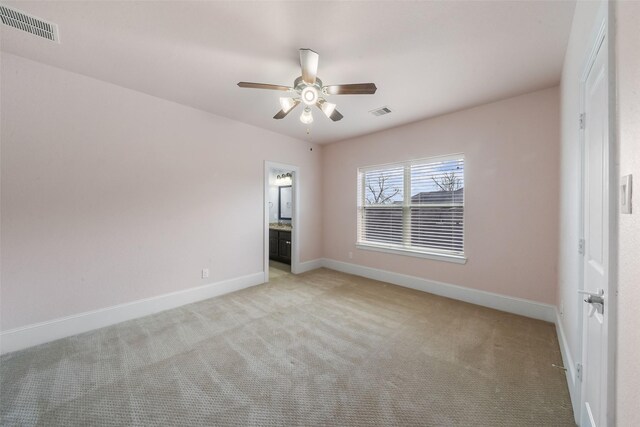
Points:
380	111
30	24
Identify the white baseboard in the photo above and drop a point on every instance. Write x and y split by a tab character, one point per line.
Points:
303	267
39	333
513	305
568	362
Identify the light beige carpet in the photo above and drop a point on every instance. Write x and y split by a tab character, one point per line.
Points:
322	348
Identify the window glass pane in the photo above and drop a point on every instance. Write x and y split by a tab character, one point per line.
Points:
382	224
437	227
439	182
437	195
384	187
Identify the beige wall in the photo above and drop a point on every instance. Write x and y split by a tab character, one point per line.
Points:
110	195
511	175
628	92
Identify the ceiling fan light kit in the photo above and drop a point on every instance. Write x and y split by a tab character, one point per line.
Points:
327	108
306	117
311	92
288	104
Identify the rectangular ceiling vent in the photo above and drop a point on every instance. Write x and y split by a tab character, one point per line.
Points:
30	24
380	111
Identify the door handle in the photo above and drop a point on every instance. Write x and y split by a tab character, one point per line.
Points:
596	299
598	293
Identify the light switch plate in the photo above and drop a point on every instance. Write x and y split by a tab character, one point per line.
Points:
625	194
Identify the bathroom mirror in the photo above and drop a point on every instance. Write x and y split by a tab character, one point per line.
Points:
284	207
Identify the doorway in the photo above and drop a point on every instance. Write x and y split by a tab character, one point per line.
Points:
281	234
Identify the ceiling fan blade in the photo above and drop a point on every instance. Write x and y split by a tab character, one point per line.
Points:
251	85
309	65
282	113
335	116
351	89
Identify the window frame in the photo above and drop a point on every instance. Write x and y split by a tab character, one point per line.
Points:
429	253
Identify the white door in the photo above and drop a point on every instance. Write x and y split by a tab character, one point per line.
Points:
596	243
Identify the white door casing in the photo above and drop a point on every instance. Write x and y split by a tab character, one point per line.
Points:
595	319
295	216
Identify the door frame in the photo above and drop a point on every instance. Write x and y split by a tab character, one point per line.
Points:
295	212
602	35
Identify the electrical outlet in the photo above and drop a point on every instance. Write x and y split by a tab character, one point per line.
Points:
350	255
205	273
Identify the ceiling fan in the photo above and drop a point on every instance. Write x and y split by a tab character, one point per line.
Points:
309	90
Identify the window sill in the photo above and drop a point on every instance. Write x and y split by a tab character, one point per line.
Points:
457	259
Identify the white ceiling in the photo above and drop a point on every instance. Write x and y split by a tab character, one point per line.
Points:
427	58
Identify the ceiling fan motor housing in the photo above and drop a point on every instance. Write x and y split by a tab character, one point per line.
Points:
300	84
310	94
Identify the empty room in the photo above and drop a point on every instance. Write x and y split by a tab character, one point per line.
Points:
332	213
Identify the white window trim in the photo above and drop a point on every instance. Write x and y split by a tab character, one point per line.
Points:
457	259
433	159
405	251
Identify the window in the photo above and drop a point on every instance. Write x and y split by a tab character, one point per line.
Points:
414	207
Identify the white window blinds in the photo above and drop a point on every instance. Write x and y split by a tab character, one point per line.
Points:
415	206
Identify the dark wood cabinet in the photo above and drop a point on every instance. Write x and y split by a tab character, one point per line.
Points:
280	246
284	246
273	244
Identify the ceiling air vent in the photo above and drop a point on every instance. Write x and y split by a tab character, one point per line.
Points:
380	111
30	24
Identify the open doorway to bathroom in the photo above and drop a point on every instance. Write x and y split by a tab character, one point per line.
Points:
281	231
